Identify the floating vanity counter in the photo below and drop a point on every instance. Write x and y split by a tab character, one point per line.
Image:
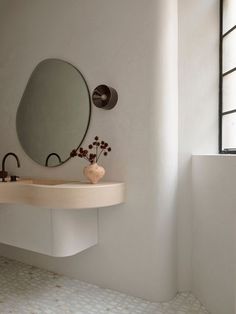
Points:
61	194
54	217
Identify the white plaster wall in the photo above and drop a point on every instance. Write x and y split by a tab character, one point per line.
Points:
198	110
206	213
214	232
131	45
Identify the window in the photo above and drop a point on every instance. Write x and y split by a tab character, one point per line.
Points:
227	85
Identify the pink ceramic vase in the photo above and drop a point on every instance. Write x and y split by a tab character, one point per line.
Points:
94	172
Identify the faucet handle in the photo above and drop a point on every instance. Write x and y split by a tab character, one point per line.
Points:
3	174
14	178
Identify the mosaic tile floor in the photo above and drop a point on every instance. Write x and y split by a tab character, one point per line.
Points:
26	289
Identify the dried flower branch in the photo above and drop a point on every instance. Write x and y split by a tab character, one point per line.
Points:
99	148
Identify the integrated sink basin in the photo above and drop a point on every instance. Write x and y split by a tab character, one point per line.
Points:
55	193
42	181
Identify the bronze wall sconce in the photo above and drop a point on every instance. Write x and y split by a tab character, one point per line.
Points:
105	97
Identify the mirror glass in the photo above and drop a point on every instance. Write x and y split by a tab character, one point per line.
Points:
54	113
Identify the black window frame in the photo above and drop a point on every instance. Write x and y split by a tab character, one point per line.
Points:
221	76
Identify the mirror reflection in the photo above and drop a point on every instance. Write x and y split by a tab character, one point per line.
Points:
54	113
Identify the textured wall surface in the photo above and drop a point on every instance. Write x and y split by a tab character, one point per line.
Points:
198	109
131	45
214	232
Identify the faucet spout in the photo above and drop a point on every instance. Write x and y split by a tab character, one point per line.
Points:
50	155
3	172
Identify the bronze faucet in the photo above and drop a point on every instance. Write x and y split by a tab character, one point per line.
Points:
50	155
3	173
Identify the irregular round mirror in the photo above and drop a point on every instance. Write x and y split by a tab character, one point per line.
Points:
54	113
